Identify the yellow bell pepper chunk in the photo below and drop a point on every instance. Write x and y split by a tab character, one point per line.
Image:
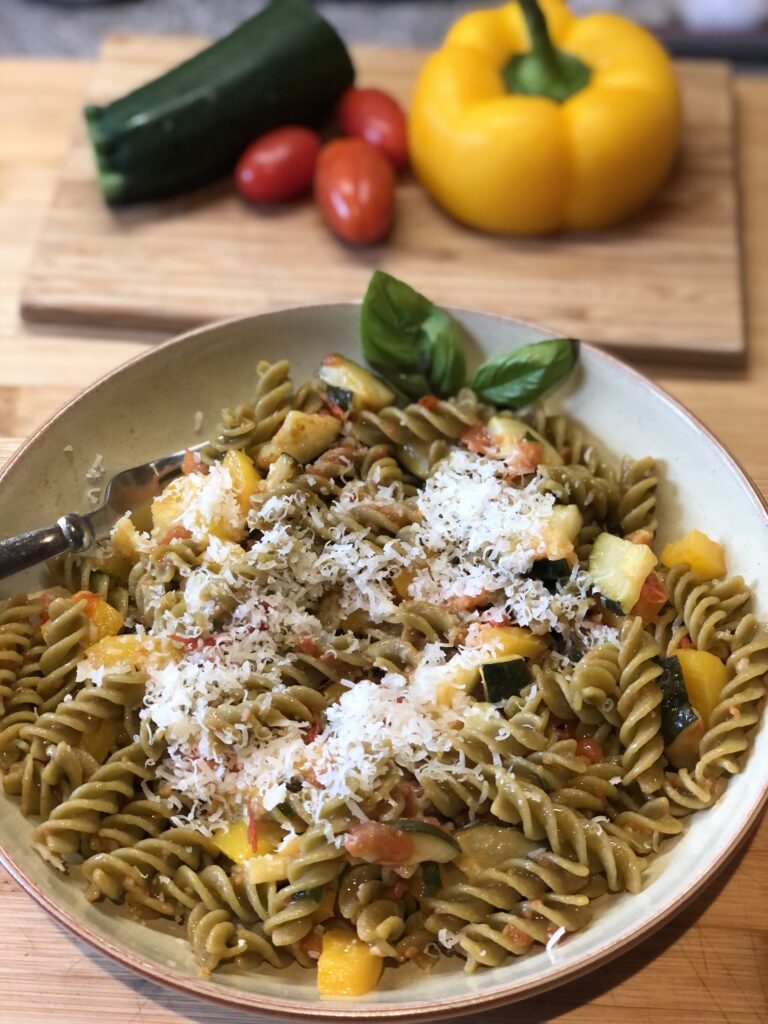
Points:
347	966
401	582
246	479
585	151
125	539
683	751
269	867
117	650
705	556
704	676
98	744
104	620
507	640
235	843
168	507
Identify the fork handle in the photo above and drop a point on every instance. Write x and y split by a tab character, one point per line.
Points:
69	533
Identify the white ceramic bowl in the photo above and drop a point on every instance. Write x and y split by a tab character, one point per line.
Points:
148	407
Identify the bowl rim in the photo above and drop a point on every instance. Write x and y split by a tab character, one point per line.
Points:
544	979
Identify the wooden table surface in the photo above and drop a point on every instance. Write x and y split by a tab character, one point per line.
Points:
709	964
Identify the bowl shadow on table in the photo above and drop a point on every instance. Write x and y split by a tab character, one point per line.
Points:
537	1010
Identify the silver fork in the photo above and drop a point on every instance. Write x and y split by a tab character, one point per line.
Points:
126	491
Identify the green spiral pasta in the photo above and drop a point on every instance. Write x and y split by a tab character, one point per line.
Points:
637	506
84	572
638	707
738	711
698	607
383	693
597	498
365	901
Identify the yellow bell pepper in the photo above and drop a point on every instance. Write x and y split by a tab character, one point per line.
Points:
529	120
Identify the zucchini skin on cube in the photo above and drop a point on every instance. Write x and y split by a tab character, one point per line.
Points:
286	65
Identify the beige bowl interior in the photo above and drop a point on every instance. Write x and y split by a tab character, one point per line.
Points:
149	408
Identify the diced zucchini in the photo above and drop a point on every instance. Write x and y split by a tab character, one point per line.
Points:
344	399
507	431
283	469
369	392
485	845
504	678
429	842
302	435
455	676
550	569
619	568
566	520
430	876
676	711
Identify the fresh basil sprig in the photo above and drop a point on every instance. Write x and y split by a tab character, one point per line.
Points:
416	346
518	377
410	341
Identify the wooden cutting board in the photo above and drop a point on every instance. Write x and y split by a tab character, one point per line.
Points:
667	285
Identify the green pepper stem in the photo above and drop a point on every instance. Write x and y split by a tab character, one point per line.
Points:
541	41
544	70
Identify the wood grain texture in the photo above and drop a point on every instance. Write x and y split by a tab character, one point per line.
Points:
667	284
708	965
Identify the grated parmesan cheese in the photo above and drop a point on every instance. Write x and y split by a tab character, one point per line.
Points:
473	533
553	940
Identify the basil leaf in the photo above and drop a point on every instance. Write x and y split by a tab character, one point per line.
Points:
519	376
409	340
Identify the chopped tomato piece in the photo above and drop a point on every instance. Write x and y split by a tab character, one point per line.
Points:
516	935
310	735
400	888
311	945
174	533
193	643
429	820
652	599
686	644
331	359
405	790
91	601
468	602
308	645
430	402
192	463
496	617
525	457
563	729
477	439
589	750
334	408
253	830
641	536
376	843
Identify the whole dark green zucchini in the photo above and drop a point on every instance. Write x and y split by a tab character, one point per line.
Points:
286	65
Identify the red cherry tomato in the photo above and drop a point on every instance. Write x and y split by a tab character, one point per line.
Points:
355	190
278	166
375	116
